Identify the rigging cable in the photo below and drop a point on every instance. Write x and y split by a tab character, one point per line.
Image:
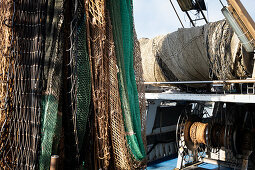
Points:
176	13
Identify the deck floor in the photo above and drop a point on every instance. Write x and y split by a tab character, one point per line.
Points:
171	164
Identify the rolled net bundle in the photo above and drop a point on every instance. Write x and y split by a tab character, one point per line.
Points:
152	68
207	52
227	57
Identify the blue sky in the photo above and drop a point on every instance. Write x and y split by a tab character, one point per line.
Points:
157	17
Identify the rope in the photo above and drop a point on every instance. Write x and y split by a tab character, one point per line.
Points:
198	132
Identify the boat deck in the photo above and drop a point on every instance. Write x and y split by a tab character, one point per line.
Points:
170	164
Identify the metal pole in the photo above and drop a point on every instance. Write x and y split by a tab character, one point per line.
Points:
222	3
54	162
201	82
176	13
253	72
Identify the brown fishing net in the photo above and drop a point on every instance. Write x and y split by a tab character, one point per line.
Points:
121	156
6	12
99	61
5	43
109	127
24	127
226	58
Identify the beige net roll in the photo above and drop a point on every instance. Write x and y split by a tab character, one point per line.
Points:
151	69
207	52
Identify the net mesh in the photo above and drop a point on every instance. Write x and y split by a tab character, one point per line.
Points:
121	156
24	125
51	120
122	22
5	32
140	86
132	123
114	8
6	40
77	90
69	141
60	54
207	52
99	61
83	75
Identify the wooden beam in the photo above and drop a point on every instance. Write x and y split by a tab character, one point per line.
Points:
244	16
241	25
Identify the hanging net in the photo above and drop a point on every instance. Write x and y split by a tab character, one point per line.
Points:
77	90
122	22
51	120
121	155
56	56
6	64
99	61
25	118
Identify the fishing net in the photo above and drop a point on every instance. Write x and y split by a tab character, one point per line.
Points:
182	52
6	40
121	156
51	120
133	126
226	57
56	56
99	62
69	141
114	9
83	76
24	125
5	32
77	86
122	22
208	52
154	70
140	85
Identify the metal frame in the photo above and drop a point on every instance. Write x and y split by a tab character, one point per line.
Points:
252	80
155	99
232	98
